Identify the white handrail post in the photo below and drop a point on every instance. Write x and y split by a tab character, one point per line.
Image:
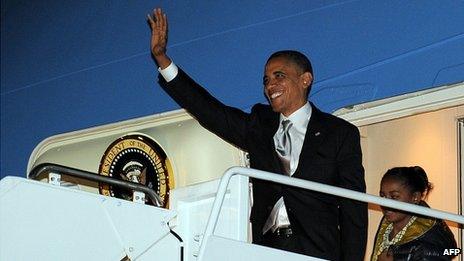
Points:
217	204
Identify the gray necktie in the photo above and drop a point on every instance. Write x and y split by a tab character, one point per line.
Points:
284	145
283	149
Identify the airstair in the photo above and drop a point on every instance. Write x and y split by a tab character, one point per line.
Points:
47	221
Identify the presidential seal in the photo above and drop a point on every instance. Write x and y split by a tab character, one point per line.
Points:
139	159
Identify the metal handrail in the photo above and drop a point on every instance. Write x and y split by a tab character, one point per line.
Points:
63	170
319	187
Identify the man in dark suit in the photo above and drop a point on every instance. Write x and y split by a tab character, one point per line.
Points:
292	137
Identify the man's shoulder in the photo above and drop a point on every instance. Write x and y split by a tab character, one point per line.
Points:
263	114
332	120
260	108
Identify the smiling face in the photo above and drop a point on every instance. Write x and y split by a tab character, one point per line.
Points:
285	85
395	189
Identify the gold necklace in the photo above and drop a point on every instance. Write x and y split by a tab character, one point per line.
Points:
386	243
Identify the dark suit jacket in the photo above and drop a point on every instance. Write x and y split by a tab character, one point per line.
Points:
335	228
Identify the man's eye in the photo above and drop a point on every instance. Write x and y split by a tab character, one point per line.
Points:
280	75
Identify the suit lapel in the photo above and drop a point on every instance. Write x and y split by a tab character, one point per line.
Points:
269	131
315	135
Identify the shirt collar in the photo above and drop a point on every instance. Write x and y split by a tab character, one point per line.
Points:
300	117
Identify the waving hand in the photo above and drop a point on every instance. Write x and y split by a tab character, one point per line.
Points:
159	37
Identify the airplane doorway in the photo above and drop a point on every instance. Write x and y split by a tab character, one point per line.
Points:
420	129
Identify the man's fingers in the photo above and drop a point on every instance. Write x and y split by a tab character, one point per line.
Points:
158	21
165	22
150	20
159	18
158	24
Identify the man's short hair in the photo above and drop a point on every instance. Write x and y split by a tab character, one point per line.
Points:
296	57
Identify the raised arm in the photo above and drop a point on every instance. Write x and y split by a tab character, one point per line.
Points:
227	122
159	37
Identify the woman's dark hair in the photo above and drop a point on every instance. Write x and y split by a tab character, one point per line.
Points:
414	178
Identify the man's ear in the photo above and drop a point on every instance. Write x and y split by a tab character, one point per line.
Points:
417	197
307	79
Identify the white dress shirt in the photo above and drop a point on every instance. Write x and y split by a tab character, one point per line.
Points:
170	72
